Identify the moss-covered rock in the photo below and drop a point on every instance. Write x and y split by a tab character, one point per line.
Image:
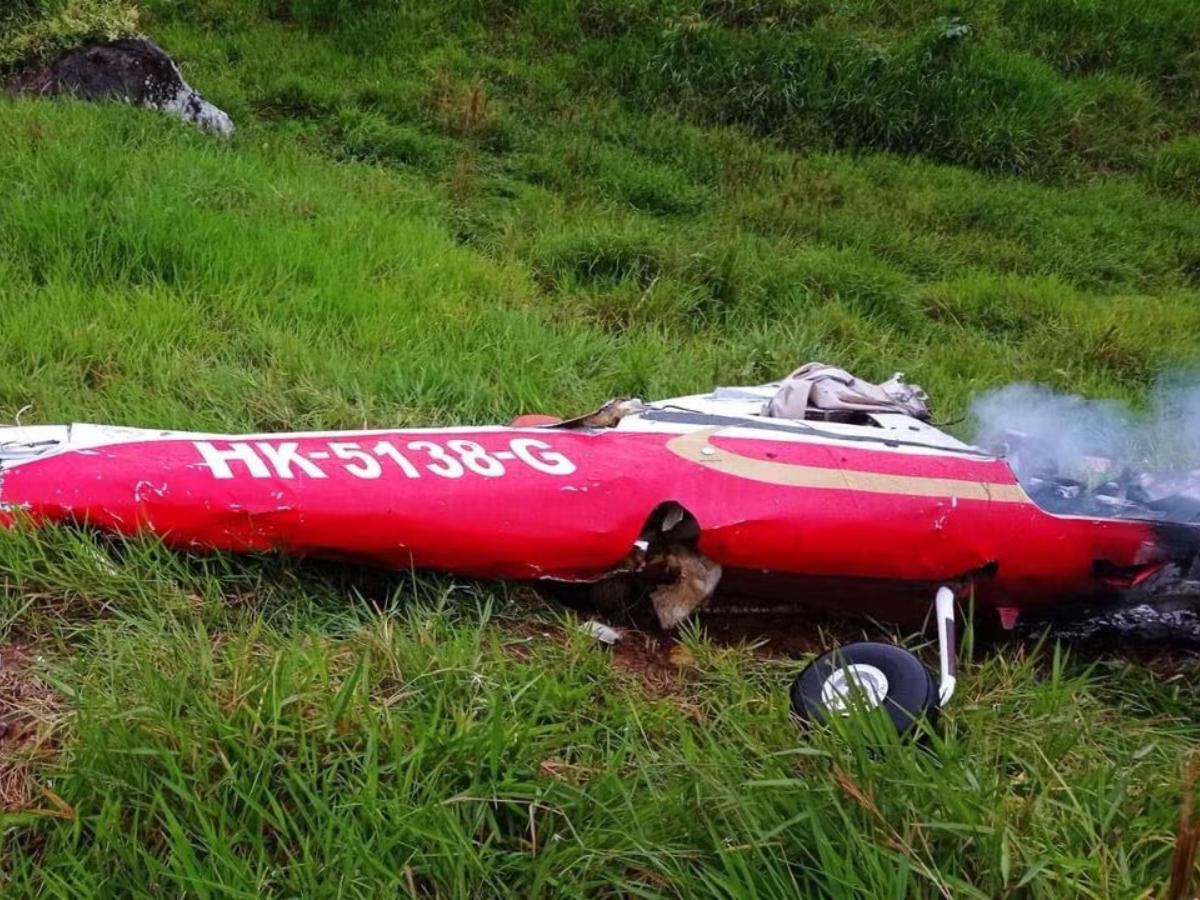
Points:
37	31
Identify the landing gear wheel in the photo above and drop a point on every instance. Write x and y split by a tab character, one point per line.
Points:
866	676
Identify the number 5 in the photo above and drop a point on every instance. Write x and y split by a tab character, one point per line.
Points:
369	466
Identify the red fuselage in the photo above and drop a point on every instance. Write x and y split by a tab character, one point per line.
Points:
801	505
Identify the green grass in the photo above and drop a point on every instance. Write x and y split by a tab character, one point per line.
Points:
460	212
239	728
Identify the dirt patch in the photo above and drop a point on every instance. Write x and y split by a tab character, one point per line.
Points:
522	635
660	663
31	714
792	635
643	654
650	658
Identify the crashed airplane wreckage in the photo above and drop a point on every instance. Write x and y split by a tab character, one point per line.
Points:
820	487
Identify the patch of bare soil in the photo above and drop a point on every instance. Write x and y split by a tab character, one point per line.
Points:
653	659
31	714
787	634
521	636
777	631
643	654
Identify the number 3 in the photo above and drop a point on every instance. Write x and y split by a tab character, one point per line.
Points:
444	465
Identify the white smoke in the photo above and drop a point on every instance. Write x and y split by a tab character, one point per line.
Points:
1041	431
1177	418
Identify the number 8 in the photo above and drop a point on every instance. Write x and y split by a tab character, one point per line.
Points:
477	459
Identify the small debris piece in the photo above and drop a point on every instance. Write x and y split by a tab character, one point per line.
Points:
601	632
698	578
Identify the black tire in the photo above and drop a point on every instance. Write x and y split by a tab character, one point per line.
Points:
911	695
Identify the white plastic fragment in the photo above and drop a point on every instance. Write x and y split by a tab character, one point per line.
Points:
601	632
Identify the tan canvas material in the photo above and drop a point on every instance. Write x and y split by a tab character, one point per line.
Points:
818	386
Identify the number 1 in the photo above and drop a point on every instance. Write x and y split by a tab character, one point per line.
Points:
384	448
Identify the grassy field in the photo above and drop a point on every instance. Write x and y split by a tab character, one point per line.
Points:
457	212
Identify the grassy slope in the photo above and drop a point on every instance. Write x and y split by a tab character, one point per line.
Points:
498	210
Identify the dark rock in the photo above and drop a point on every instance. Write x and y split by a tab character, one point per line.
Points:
135	70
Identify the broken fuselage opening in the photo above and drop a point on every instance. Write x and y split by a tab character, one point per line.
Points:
664	570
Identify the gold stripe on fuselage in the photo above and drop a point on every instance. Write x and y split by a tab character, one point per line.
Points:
694	447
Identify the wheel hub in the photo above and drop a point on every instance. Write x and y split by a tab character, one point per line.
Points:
854	683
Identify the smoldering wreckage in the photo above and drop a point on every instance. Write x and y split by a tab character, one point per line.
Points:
820	490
